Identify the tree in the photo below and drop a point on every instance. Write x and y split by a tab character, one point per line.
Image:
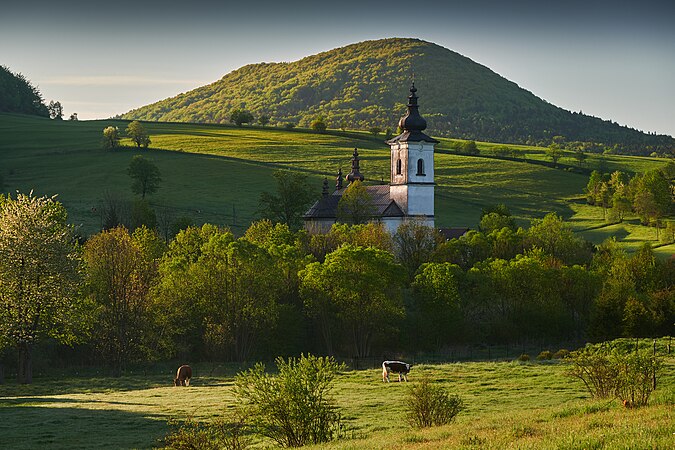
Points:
240	116
145	176
593	187
318	124
136	131
358	289
494	221
554	152
652	198
580	156
264	119
556	238
414	243
356	205
55	110
39	275
293	197
111	138
375	130
73	117
120	270
470	148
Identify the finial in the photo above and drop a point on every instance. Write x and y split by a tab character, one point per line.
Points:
324	191
355	174
338	181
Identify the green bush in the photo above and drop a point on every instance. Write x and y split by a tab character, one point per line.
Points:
561	354
524	357
612	371
544	355
217	435
294	407
430	405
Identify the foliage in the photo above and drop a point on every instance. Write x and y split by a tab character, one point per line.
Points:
318	124
358	289
334	84
18	95
39	276
263	120
120	271
292	199
356	205
293	408
55	110
138	134
111	138
608	370
544	355
429	405
414	242
145	175
240	116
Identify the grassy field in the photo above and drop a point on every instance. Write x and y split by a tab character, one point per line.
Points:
215	173
508	405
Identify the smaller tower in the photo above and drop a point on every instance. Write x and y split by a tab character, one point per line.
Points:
338	180
355	174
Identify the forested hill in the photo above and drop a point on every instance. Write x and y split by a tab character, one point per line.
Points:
18	95
365	85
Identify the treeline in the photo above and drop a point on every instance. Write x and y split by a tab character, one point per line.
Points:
364	86
127	296
18	95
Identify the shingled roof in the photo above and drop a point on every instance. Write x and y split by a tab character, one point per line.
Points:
384	206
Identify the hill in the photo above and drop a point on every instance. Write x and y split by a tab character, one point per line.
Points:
215	173
362	85
18	95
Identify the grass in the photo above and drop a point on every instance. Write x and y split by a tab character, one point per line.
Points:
508	405
216	173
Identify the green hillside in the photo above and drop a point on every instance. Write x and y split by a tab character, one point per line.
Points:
18	95
215	173
364	85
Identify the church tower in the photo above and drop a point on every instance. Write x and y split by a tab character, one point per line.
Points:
412	165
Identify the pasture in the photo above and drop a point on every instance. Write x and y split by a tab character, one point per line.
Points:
508	405
215	173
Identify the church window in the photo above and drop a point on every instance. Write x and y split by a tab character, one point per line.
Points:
420	167
398	167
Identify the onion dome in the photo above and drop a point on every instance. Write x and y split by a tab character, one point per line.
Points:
338	180
355	174
324	190
412	124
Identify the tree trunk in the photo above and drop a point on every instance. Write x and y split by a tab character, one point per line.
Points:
25	372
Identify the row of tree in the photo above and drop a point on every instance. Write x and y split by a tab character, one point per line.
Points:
357	290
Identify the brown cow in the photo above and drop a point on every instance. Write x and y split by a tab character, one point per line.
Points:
183	376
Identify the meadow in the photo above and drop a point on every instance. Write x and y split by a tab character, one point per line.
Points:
216	173
508	404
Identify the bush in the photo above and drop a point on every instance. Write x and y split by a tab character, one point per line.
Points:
289	125
608	371
561	354
217	435
430	405
524	357
544	355
292	408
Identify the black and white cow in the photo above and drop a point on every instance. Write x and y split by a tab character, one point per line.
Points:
398	367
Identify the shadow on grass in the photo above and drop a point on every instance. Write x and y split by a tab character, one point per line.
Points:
34	427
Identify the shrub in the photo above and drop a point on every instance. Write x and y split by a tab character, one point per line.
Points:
219	434
636	377
319	125
429	405
561	354
524	357
593	367
293	408
289	125
544	355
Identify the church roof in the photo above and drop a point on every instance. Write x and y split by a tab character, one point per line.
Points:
412	124
383	205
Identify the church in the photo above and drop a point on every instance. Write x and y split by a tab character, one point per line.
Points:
410	193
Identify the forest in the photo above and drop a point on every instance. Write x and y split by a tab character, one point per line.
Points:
125	296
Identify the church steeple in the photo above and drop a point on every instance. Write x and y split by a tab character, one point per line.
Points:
412	123
338	180
355	174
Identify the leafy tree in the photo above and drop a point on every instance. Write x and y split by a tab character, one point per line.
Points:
414	243
39	276
18	95
55	110
556	238
356	205
138	134
292	199
73	117
375	130
469	147
652	199
494	221
554	152
264	119
358	289
145	176
240	116
111	138
120	270
580	156
318	124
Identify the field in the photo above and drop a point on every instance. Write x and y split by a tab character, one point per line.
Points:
215	173
508	405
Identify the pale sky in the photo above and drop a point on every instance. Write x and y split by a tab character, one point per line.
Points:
610	59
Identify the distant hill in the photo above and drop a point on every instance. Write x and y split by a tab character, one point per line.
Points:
18	95
365	85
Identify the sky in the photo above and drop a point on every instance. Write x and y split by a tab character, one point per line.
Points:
609	59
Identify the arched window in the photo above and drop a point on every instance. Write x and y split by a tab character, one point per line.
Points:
398	167
420	167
